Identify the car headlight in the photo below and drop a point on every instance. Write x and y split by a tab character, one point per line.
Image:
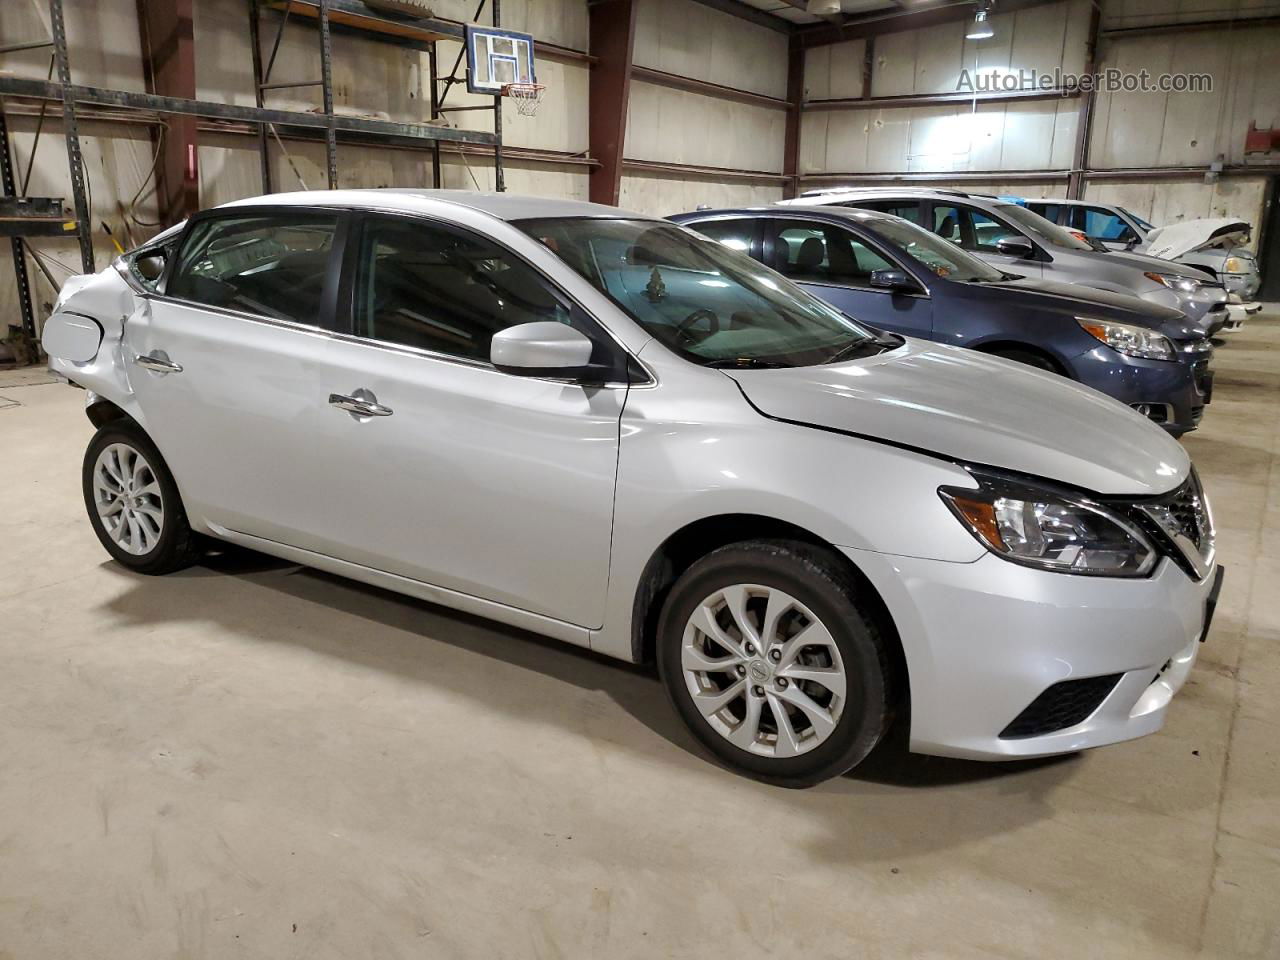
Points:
1130	340
1175	282
1049	529
1234	265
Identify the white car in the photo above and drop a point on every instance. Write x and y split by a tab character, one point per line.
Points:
609	430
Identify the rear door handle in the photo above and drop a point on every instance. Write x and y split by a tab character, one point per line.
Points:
361	403
160	364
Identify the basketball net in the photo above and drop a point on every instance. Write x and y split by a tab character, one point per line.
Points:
527	96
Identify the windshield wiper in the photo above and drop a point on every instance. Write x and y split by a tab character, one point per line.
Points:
863	348
745	363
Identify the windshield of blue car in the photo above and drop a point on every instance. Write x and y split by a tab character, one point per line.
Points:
1044	230
708	303
934	253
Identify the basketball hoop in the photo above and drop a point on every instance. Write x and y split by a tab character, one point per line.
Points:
527	96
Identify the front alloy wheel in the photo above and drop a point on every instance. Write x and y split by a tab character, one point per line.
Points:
763	670
774	657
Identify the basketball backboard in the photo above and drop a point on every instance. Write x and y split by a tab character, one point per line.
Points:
496	58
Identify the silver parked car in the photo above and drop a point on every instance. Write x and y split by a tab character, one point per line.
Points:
1016	239
1214	244
612	431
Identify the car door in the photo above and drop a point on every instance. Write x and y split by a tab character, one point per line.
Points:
224	363
836	264
494	485
979	233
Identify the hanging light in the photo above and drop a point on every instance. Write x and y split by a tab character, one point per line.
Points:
823	8
980	29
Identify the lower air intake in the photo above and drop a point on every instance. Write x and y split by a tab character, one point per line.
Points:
1061	706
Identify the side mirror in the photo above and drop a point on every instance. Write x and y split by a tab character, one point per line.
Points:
1015	246
150	265
542	349
892	280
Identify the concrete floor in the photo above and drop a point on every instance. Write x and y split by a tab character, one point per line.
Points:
252	759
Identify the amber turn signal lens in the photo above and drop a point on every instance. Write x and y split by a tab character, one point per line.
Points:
981	516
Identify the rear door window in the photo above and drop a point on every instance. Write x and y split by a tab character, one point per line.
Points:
823	253
268	265
968	228
907	209
738	233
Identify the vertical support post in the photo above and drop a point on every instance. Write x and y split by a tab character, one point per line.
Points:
612	31
169	69
75	161
1084	118
326	87
23	280
435	114
795	105
264	148
499	176
868	66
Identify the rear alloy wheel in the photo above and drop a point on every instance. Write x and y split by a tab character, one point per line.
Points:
133	502
770	659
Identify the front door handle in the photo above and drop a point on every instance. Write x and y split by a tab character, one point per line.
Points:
159	364
361	403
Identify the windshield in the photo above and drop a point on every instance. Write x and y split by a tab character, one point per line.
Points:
1044	230
1137	219
708	303
940	256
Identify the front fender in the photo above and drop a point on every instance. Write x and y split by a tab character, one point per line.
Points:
674	470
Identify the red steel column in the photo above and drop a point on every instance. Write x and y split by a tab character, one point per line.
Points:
612	38
169	68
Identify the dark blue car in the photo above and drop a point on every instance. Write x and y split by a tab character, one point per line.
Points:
888	272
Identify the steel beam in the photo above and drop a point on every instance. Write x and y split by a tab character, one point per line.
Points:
936	99
612	27
326	97
75	162
676	82
25	303
899	20
255	48
169	69
791	131
1084	115
43	90
745	12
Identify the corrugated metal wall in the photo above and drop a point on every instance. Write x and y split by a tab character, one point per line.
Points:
676	126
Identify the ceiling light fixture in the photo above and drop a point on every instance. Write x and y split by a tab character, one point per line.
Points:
980	29
823	8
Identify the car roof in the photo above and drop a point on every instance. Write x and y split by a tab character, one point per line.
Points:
831	197
787	210
504	206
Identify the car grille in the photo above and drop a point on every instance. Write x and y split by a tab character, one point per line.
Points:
1061	706
1184	519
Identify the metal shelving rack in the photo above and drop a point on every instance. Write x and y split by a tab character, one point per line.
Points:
22	217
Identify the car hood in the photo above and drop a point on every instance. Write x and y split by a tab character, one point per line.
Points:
1088	301
1148	263
1179	239
967	406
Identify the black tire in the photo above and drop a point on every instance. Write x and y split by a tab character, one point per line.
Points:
817	580
1032	359
176	546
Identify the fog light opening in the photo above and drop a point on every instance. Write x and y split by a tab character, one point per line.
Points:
1155	412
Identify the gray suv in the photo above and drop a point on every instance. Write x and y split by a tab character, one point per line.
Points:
1015	239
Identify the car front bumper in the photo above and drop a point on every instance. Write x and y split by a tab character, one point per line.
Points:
1181	388
985	640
